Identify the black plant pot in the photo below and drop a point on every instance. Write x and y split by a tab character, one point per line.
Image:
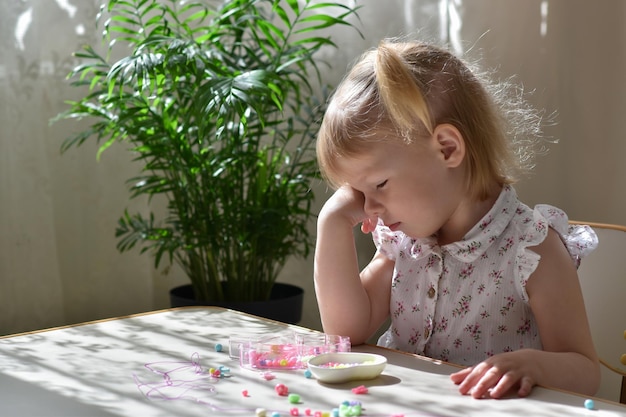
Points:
285	303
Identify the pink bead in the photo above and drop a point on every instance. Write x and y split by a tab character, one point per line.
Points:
244	393
361	389
281	389
268	376
294	412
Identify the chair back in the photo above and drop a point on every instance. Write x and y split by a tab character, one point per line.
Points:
602	276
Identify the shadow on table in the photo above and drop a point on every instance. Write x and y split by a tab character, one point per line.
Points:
20	398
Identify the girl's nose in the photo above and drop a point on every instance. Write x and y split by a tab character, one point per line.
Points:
372	207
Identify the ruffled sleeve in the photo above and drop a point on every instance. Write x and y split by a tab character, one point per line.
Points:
580	240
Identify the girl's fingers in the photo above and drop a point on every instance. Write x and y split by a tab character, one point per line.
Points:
368	226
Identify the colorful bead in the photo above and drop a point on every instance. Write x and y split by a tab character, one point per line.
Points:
590	404
294	412
281	389
350	408
261	412
245	393
293	398
268	376
361	389
218	347
308	374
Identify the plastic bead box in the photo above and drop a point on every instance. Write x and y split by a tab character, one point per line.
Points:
290	351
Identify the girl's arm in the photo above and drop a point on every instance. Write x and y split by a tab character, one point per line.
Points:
351	303
568	360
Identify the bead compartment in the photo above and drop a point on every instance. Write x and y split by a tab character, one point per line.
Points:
346	366
285	352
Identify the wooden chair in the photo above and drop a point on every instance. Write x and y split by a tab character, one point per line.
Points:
602	277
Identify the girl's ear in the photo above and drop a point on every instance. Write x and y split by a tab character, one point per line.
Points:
451	144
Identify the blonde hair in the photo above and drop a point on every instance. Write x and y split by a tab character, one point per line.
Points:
403	90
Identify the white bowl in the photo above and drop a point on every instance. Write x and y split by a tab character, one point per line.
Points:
346	366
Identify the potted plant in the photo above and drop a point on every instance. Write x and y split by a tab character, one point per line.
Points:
220	107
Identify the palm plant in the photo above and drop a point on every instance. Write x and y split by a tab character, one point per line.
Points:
220	106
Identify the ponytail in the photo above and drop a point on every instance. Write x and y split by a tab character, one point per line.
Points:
400	95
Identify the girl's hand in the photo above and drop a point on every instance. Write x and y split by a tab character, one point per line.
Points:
499	375
349	204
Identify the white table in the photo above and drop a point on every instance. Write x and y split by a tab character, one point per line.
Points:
99	369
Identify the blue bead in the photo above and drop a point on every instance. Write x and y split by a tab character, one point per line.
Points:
218	347
590	404
308	374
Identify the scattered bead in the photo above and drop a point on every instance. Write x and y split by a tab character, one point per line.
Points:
245	393
308	374
281	389
268	376
308	412
261	412
218	347
350	408
293	398
294	412
590	404
275	414
361	389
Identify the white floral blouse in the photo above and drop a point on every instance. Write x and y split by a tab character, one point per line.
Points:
466	301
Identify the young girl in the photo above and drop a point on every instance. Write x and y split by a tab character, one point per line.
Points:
415	145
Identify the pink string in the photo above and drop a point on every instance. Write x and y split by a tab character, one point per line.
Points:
186	380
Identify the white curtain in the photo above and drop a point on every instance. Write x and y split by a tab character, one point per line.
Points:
58	261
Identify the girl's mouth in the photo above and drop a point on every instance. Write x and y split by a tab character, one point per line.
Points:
394	227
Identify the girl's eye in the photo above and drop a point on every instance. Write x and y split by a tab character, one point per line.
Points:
381	185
